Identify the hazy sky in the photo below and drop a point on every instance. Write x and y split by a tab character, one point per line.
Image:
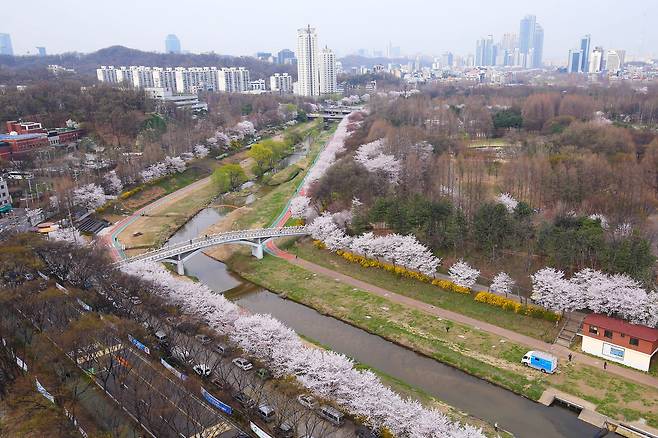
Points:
244	27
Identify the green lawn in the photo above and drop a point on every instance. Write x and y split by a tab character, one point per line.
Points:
464	304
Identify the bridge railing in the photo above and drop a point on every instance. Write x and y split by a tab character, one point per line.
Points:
216	239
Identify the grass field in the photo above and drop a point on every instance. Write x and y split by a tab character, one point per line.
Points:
428	293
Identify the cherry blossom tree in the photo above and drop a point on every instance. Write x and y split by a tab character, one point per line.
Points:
371	157
601	218
462	274
244	129
113	183
90	196
200	151
175	164
327	157
300	207
502	284
325	373
70	235
508	201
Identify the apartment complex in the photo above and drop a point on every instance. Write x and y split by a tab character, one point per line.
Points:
328	84
178	79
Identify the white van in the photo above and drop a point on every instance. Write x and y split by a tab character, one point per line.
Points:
266	412
161	336
333	415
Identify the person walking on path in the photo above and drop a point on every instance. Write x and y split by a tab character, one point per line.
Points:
570	356
605	365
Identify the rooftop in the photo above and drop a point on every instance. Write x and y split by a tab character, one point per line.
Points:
621	326
6	137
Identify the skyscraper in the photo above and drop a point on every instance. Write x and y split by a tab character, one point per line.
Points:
614	61
172	44
285	56
585	48
328	83
308	80
41	51
531	42
596	60
575	61
5	44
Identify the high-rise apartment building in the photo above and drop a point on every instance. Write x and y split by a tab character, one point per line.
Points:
5	44
41	51
281	83
328	84
308	72
233	79
531	42
585	42
447	59
614	61
172	44
485	51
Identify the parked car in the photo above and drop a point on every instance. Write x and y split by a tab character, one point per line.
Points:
202	369
264	374
219	383
266	412
242	363
546	363
333	415
204	339
222	349
244	400
284	430
307	401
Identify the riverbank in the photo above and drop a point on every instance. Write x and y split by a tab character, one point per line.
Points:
467	348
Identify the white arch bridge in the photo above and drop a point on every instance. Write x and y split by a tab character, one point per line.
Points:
180	252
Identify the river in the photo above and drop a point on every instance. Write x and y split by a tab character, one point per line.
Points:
522	416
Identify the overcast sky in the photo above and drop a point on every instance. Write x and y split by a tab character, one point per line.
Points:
244	27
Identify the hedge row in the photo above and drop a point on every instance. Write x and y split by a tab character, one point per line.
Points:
516	307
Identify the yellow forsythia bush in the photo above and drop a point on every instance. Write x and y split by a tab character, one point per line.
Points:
128	193
511	305
449	285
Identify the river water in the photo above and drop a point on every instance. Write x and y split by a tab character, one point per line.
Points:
521	416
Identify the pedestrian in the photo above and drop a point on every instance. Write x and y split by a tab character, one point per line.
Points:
190	241
496	426
605	365
570	357
447	328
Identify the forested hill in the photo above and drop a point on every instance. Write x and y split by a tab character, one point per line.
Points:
86	64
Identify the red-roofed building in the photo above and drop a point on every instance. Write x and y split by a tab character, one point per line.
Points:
619	341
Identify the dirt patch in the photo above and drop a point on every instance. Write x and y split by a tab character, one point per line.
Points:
146	196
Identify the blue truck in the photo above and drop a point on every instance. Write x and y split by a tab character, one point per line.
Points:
544	362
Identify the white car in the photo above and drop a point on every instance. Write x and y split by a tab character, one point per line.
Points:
202	369
307	401
242	363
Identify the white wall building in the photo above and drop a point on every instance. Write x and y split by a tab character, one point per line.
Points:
596	60
179	79
308	72
281	83
614	60
328	83
233	80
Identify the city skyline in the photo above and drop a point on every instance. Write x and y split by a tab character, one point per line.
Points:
414	29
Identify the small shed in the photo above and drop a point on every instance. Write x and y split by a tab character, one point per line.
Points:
619	341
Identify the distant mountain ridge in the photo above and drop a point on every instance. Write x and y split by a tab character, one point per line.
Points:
87	63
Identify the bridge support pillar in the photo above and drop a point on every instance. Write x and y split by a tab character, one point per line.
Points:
180	265
257	251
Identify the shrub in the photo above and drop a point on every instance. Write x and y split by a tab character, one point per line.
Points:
516	307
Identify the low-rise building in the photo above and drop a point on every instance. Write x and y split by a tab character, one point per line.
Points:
5	197
619	341
182	101
24	137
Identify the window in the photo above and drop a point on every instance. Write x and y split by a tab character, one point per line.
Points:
634	341
607	334
594	329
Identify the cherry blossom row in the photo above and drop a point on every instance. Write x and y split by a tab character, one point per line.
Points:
327	374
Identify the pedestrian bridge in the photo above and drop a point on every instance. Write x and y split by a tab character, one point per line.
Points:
180	252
